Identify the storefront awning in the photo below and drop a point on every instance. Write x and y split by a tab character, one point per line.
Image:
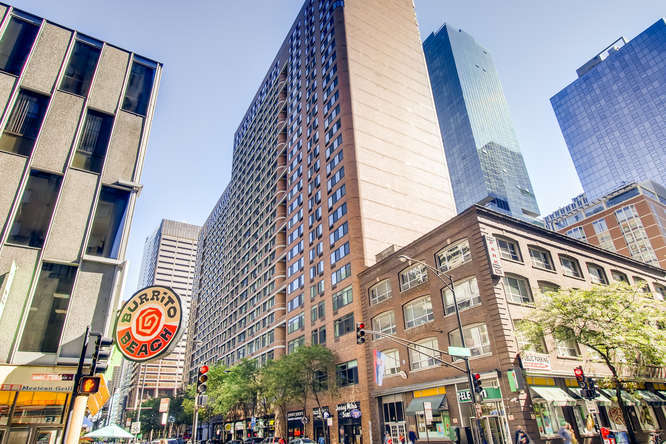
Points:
553	395
650	398
438	403
662	393
627	397
600	399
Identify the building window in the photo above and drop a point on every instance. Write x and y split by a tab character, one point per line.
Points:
660	291
94	141
342	298
577	233
476	339
344	325
347	373
509	249
318	311
81	68
547	287
296	323
15	44
391	360
24	122
645	288
36	208
524	343
517	289
567	349
635	235
292	345
139	88
319	336
467	295
413	276
570	267
48	310
603	234
453	256
418	312
618	276
597	274
108	224
423	354
385	323
549	418
541	258
380	292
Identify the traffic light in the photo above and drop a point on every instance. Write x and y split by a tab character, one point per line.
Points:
478	388
360	333
591	389
580	377
202	379
89	385
101	354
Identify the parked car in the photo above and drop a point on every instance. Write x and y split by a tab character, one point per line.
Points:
235	441
271	440
302	441
253	440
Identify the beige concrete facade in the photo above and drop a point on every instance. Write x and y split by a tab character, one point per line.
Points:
495	306
64	223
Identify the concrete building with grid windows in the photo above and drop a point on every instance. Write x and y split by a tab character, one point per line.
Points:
338	156
169	256
75	115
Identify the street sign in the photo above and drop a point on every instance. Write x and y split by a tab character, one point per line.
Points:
462	352
136	427
355	413
427	408
164	405
164	418
329	421
591	406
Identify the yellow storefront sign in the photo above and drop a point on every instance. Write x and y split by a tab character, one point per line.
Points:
430	392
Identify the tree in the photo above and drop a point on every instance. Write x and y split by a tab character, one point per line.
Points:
280	388
623	324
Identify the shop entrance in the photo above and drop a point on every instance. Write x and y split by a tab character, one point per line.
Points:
30	435
492	429
395	429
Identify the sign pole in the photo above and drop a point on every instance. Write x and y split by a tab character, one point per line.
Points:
73	426
196	419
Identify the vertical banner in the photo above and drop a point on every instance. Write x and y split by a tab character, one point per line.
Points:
379	367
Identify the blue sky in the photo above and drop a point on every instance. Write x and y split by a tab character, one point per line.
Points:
215	53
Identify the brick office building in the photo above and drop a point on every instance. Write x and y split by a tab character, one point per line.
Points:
410	302
631	221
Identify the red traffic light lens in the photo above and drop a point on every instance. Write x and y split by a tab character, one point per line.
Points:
203	369
477	376
578	372
361	325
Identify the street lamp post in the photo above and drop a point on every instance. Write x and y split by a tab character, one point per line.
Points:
448	282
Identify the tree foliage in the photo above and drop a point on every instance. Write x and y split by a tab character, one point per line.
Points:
624	325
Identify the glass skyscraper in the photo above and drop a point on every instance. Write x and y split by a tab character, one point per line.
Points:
613	116
482	151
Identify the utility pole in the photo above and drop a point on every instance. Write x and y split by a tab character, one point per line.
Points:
77	404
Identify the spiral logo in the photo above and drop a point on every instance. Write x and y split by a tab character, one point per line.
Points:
148	322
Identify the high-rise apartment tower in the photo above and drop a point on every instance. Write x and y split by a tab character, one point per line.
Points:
482	151
613	116
75	114
338	157
169	256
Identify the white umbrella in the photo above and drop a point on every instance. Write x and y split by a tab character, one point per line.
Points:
111	431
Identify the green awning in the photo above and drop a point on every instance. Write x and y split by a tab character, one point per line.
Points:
416	405
627	397
600	399
553	395
650	398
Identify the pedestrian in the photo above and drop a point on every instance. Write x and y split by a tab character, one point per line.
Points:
401	438
521	437
412	436
566	433
321	440
387	438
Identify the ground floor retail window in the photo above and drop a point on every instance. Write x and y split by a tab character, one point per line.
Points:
439	427
646	417
584	419
548	418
